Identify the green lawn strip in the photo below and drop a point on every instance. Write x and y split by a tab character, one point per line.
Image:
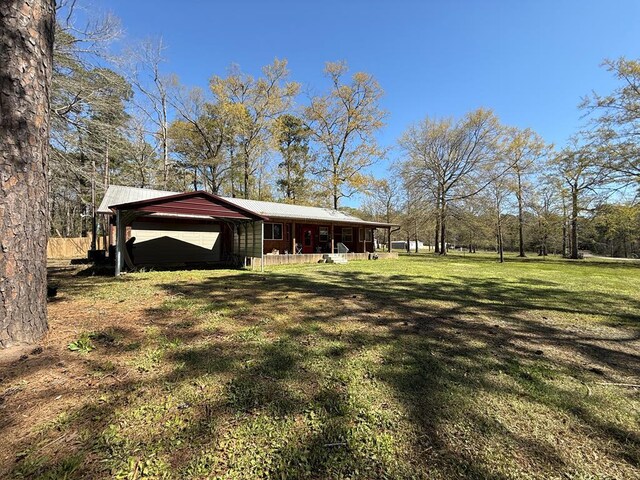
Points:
423	367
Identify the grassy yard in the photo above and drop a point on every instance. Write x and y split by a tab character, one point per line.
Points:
423	367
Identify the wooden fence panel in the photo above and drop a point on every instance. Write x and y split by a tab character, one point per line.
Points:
71	247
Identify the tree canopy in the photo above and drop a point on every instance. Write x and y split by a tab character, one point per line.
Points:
129	120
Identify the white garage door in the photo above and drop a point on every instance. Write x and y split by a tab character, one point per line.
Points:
159	243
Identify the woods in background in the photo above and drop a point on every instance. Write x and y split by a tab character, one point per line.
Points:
122	120
471	182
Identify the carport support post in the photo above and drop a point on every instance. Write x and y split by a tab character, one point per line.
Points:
119	238
293	238
262	246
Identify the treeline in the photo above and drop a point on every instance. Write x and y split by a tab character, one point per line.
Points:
120	119
476	183
470	182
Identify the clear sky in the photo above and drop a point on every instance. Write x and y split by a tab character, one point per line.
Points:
529	61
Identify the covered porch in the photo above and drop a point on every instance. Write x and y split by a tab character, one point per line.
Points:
313	238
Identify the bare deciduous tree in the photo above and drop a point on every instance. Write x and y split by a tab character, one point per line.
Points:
343	123
616	121
384	200
525	151
447	159
583	174
261	100
142	64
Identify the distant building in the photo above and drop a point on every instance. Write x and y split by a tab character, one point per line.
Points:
402	245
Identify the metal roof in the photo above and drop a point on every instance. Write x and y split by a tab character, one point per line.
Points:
298	212
191	203
117	195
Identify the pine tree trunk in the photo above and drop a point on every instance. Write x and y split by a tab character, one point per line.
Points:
26	53
289	193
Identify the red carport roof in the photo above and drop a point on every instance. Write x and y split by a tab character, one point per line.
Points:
191	203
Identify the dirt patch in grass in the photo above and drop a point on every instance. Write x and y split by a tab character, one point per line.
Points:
416	368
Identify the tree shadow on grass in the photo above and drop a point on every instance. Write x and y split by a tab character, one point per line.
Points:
369	376
452	332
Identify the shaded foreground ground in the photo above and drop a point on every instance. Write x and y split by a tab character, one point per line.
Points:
417	368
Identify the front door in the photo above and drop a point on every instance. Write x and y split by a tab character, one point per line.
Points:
307	240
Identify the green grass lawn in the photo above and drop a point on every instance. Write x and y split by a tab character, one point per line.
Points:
422	367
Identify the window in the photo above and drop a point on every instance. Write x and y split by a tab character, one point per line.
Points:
365	235
324	234
273	231
347	234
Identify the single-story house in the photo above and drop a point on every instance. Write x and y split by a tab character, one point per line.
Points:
156	228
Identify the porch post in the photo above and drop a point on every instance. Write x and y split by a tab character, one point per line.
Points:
389	238
293	238
246	243
262	246
253	243
253	247
332	240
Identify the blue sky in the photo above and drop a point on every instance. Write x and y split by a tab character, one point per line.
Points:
530	61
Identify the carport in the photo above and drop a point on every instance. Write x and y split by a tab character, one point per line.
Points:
161	222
